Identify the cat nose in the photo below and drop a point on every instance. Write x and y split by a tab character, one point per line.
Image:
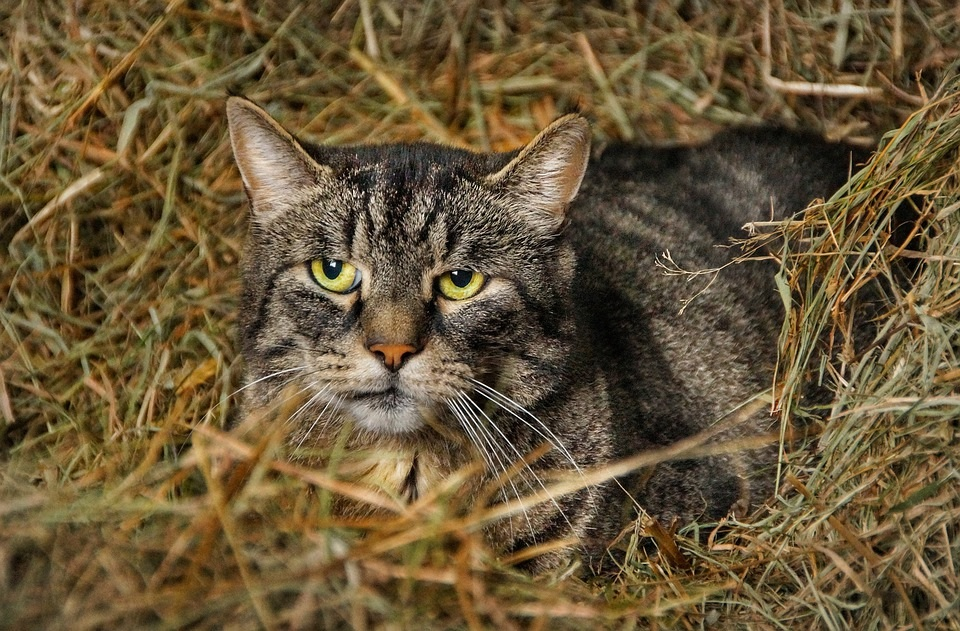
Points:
393	355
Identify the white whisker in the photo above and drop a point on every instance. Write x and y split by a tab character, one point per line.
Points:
464	417
509	405
214	408
489	451
271	376
480	434
520	459
309	403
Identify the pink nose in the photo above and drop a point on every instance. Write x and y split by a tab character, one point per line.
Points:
392	354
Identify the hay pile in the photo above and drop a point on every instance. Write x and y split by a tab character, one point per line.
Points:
122	503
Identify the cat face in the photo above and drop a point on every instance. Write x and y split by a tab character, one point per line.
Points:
395	286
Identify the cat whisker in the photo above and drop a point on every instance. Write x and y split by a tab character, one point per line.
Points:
214	408
306	404
271	375
484	443
475	413
467	422
490	449
292	394
520	459
531	421
274	404
320	415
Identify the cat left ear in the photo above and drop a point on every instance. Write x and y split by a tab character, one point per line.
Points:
272	163
546	175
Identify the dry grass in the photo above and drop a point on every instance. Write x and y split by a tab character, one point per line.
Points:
122	217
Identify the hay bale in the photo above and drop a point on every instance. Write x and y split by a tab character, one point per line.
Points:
873	523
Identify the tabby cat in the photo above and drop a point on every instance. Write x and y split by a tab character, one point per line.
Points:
432	307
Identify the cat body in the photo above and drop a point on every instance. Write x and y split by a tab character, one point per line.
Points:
433	307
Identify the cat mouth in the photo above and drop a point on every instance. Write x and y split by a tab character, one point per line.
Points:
389	398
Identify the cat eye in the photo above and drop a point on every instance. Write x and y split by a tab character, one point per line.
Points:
335	275
460	284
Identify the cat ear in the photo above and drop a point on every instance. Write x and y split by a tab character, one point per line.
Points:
546	175
272	163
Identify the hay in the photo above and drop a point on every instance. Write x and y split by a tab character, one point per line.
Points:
867	537
121	217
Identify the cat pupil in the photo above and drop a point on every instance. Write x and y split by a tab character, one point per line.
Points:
461	277
332	268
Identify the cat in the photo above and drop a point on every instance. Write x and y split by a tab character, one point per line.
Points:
433	307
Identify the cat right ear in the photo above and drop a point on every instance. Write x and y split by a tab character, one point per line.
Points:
273	165
545	176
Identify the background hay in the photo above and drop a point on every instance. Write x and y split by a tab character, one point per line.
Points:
121	223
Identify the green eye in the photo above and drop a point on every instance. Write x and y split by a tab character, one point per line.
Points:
460	284
335	275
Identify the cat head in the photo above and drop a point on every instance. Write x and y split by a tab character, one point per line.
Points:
389	284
